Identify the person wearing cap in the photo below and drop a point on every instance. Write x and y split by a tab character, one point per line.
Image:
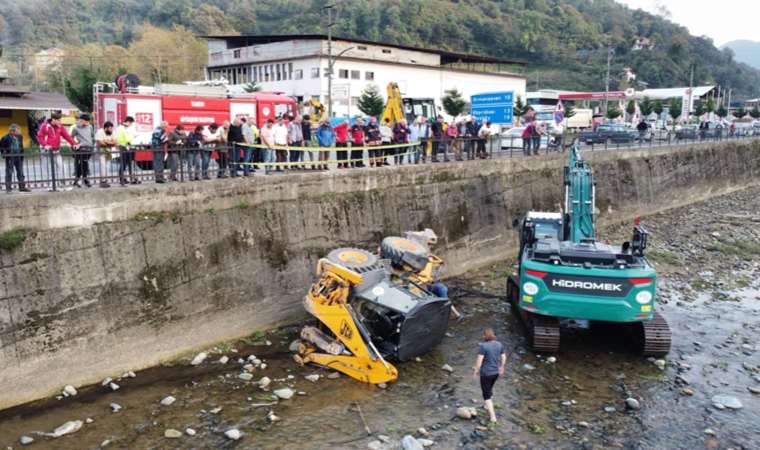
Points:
84	135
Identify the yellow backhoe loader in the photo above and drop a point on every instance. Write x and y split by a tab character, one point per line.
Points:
369	316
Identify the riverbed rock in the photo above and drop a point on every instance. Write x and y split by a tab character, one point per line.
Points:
69	390
709	431
466	412
660	363
333	375
249	368
106	381
583	424
687	391
190	431
382	385
408	442
224	359
754	390
447	368
727	401
375	445
25	440
216	410
69	427
115	407
114	387
168	400
609	409
89	420
264	382
425	442
551	359
171	433
312	377
233	433
199	358
632	403
272	417
528	367
284	393
245	376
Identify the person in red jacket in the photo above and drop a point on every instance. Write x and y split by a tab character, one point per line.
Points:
49	137
358	139
341	140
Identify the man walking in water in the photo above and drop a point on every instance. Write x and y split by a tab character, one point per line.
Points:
489	366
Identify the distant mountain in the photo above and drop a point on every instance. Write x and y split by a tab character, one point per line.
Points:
747	52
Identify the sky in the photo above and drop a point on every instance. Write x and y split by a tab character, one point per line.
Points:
723	21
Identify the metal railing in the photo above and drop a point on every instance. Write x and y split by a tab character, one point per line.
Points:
68	169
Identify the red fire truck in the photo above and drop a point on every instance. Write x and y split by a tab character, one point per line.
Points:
182	104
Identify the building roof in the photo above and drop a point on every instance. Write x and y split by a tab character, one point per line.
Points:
659	94
447	57
38	101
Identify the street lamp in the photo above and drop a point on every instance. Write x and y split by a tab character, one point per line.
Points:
330	58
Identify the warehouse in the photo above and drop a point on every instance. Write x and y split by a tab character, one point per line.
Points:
297	65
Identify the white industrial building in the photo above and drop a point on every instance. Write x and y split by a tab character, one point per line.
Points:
297	66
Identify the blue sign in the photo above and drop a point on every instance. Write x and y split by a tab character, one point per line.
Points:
494	107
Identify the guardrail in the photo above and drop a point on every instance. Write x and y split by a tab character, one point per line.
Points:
68	169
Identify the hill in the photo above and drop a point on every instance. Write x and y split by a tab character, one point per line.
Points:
564	41
747	52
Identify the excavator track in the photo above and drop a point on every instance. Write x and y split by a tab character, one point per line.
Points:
655	335
544	333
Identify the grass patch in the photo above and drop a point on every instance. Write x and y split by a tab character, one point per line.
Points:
742	249
536	429
699	285
664	257
12	239
257	338
243	205
211	211
653	377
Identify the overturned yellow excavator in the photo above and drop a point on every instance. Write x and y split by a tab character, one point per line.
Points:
372	311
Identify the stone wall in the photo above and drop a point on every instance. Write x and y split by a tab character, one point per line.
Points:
107	281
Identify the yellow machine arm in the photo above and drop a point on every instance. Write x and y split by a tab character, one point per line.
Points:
353	352
394	110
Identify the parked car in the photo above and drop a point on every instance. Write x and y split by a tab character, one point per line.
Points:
687	132
512	138
610	133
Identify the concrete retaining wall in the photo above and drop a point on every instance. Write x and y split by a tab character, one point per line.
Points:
122	279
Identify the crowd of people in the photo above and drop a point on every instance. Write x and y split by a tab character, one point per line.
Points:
240	148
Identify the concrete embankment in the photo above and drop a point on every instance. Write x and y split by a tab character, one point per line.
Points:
106	281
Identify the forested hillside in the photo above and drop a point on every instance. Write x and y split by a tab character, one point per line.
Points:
564	41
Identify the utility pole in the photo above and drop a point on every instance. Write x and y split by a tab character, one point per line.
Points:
691	94
330	62
607	81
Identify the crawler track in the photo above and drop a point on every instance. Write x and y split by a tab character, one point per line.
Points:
655	336
542	332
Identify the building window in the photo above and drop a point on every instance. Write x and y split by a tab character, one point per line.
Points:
361	47
355	75
354	100
326	71
290	71
369	76
254	78
343	73
236	53
279	74
315	72
386	51
298	74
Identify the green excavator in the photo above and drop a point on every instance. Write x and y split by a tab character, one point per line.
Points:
564	274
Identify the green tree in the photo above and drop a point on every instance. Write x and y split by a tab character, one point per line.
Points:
631	107
78	87
755	112
657	107
675	108
700	110
721	111
646	107
710	106
453	103
569	111
739	113
613	113
371	102
252	87
519	109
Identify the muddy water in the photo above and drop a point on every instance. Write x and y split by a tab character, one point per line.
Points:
710	295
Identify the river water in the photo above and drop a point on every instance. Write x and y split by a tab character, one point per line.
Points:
709	294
